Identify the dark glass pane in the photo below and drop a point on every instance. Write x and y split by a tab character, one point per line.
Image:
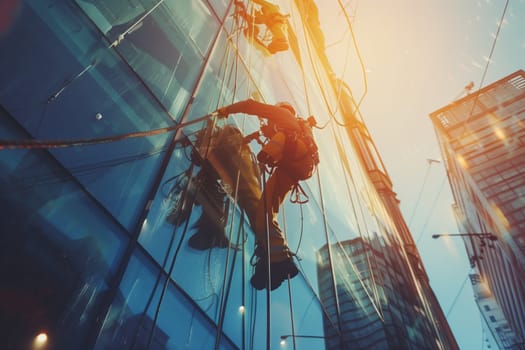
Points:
58	249
143	314
219	6
164	44
82	90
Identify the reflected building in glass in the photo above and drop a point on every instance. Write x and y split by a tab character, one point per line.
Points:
482	138
375	300
122	208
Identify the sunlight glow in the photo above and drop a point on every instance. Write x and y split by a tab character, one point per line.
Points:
500	215
462	161
500	134
449	244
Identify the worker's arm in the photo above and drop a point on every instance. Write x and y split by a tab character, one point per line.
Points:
280	116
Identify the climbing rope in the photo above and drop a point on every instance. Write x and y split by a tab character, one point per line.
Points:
47	144
267	252
163	269
232	81
345	165
289	284
316	74
358	52
227	281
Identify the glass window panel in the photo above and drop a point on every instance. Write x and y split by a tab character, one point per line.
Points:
195	19
171	207
219	6
107	14
162	56
224	82
60	249
145	312
162	44
83	95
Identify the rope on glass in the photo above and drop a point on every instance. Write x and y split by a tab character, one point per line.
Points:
47	144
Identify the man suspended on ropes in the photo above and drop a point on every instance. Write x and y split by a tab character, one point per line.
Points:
265	14
291	154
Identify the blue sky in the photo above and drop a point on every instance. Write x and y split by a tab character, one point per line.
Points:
418	57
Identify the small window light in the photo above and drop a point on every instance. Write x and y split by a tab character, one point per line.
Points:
40	340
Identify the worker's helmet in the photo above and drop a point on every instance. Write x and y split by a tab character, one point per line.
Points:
287	106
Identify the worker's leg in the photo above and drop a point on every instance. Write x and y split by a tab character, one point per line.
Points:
231	161
240	170
276	189
281	264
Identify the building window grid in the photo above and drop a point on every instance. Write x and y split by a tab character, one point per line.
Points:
514	108
496	150
480	132
370	341
517	319
517	82
501	283
504	185
490	150
520	302
490	98
484	139
510	301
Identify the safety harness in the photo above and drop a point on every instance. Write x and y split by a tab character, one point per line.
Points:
298	155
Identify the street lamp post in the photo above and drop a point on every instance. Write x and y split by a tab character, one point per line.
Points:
482	236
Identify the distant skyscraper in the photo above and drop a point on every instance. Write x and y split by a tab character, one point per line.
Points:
482	138
380	307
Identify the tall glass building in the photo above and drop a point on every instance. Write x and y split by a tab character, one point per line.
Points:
482	138
121	221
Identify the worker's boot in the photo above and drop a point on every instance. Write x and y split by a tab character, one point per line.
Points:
280	270
209	234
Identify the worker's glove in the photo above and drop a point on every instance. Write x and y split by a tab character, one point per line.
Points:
221	113
265	158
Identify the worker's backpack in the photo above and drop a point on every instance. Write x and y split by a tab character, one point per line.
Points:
301	152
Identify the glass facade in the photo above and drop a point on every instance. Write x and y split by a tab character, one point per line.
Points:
481	138
98	240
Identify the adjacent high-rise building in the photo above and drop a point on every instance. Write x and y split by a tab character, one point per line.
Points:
122	220
482	138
